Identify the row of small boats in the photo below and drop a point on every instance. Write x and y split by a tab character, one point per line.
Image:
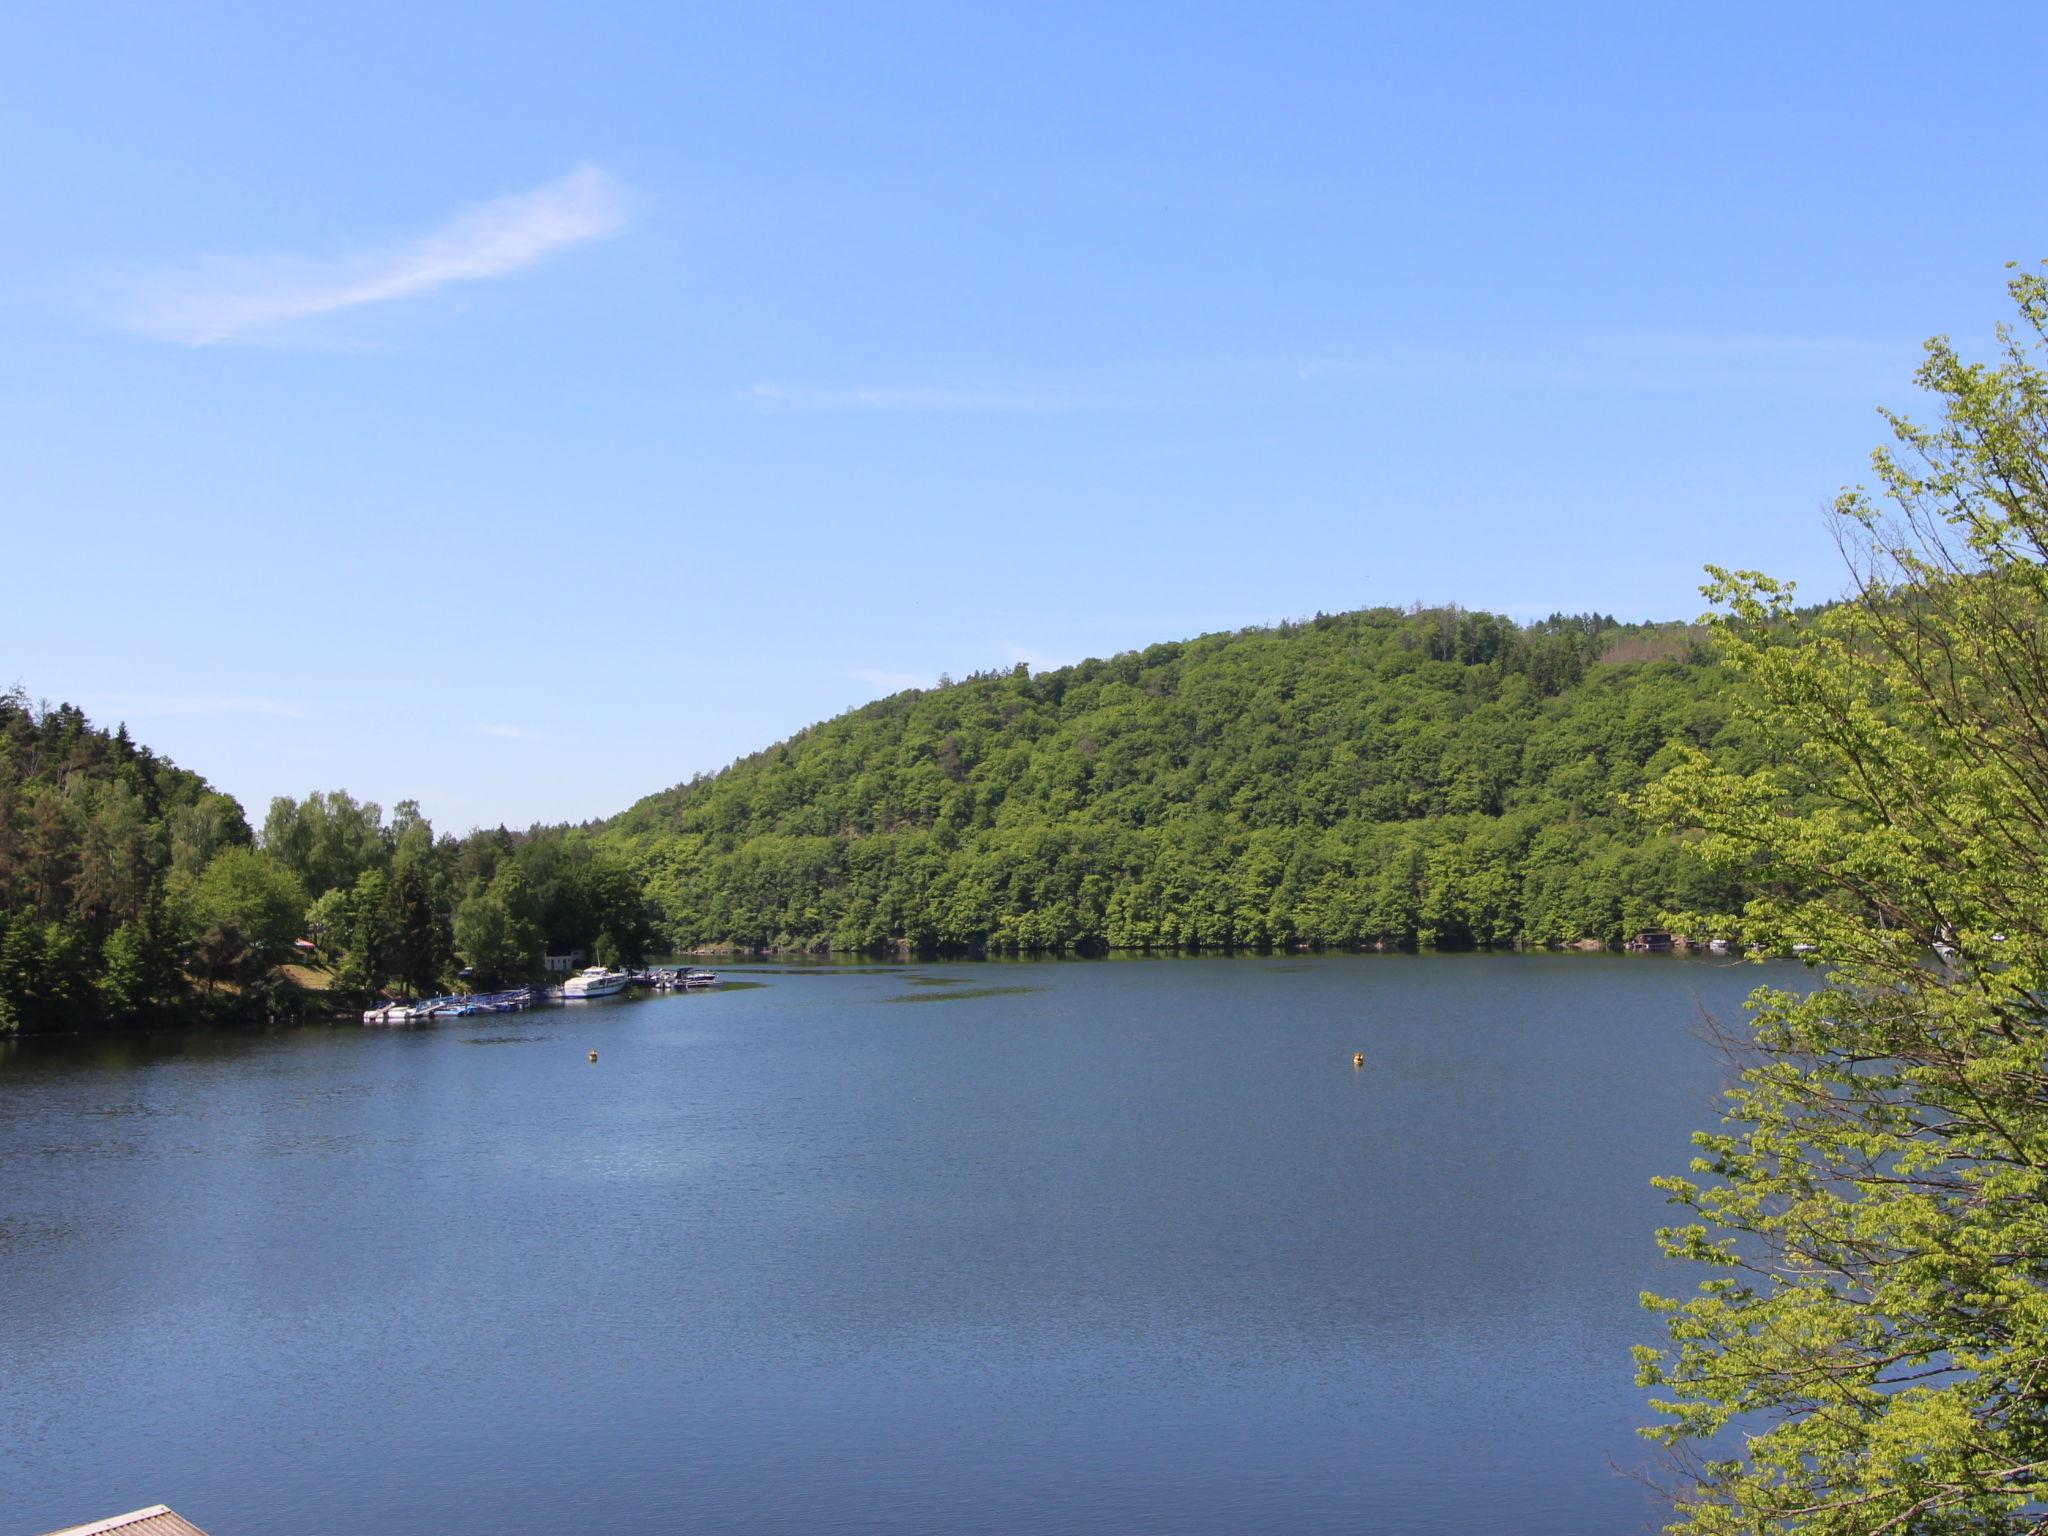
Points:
597	981
455	1006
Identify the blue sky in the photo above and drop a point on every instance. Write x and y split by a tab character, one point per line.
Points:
521	409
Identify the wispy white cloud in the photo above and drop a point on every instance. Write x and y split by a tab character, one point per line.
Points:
774	394
1335	367
233	298
160	706
888	682
1618	359
507	732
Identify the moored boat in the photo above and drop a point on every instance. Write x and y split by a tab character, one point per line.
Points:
594	982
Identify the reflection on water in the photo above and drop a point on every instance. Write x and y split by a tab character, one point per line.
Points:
1139	1250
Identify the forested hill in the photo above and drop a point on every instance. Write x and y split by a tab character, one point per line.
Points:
1435	777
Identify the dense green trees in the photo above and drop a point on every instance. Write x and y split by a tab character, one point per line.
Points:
326	840
1870	1350
130	890
243	911
1433	777
495	937
396	906
97	836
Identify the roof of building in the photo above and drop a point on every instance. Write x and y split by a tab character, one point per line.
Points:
157	1520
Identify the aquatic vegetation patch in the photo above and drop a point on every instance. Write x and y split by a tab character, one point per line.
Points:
821	970
961	996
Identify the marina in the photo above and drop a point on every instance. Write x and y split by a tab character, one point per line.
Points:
454	1006
595	982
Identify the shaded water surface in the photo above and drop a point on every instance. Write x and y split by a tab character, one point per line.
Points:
1099	1247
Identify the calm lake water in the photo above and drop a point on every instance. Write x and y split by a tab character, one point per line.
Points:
1082	1247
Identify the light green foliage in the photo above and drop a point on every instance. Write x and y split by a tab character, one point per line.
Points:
361	927
246	895
327	840
1870	1352
202	828
125	979
330	920
21	960
1435	776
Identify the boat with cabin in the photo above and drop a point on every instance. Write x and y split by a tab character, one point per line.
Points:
594	982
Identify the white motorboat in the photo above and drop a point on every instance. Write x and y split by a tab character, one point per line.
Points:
594	982
700	978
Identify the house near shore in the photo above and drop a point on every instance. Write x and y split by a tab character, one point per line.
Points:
157	1520
562	965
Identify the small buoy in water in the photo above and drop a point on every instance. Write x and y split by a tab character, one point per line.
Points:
1357	1058
593	1055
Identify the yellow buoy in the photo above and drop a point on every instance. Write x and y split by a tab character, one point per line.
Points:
593	1055
1357	1059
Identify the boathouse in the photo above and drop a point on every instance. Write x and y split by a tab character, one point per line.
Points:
157	1520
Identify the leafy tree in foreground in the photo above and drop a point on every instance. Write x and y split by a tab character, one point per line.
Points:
1870	1352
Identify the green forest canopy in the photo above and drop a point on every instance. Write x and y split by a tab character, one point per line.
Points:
1436	777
